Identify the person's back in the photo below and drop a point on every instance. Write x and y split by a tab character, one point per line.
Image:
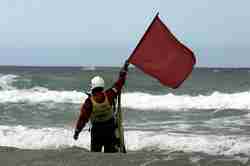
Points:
98	108
103	123
101	107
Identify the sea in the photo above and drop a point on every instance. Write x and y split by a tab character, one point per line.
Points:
204	122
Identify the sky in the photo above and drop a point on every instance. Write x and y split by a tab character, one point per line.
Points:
104	33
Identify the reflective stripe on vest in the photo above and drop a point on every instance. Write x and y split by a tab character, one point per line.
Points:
101	112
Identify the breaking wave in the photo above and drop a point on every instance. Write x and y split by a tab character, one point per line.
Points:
55	138
40	94
131	100
216	100
6	81
134	100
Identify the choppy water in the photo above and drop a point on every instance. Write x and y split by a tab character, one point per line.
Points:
206	120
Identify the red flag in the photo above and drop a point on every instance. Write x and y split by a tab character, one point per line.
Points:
162	56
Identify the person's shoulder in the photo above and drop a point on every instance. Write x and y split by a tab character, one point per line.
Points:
88	102
88	98
112	90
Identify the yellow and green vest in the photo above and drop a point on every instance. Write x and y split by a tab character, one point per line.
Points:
101	112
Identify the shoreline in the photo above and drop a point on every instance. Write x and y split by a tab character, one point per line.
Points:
78	156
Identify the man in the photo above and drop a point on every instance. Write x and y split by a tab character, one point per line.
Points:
98	108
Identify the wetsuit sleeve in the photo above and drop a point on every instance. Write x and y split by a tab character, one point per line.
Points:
116	88
85	113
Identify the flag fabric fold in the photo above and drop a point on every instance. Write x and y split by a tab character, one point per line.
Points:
162	56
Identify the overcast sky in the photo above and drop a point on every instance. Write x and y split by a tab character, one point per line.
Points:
91	32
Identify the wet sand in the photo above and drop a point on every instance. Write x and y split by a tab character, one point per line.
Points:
81	157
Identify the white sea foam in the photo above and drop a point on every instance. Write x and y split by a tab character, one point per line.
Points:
143	101
54	138
38	95
210	144
6	81
44	138
88	68
134	100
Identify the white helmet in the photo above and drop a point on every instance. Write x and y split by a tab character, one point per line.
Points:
97	81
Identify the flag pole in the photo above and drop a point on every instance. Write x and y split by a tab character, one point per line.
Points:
122	147
119	117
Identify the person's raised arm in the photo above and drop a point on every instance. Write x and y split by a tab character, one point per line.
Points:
122	78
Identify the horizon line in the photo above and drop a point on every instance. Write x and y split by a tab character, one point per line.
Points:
117	66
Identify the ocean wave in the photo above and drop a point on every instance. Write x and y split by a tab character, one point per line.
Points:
55	138
88	68
131	100
217	100
6	81
134	100
40	94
